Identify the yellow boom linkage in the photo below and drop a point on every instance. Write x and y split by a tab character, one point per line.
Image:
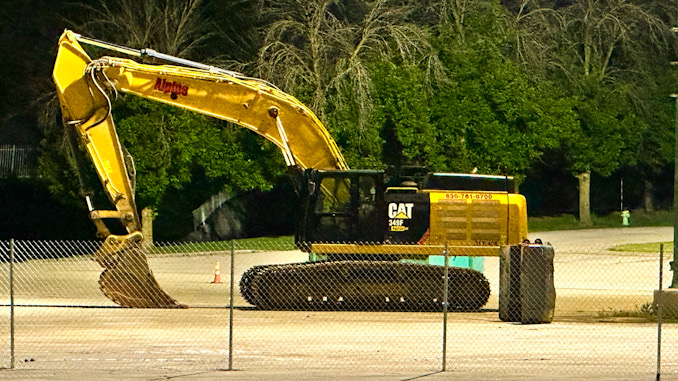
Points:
83	85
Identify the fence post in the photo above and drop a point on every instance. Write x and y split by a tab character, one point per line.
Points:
11	303
230	311
11	170
446	281
660	312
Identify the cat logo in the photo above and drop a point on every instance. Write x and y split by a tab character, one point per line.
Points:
400	211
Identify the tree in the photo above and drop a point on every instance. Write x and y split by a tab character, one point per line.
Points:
321	49
598	54
487	114
170	144
651	149
402	116
174	27
491	115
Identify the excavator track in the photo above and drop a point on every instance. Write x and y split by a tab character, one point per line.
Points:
362	285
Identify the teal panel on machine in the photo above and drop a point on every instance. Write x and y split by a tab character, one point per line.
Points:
475	263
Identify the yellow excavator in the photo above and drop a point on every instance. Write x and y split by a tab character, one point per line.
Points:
410	219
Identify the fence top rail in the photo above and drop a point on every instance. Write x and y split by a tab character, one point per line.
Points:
10	147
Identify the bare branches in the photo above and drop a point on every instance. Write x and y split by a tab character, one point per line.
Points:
535	29
589	38
316	47
171	26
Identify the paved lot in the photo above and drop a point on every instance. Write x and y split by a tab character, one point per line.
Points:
567	240
113	343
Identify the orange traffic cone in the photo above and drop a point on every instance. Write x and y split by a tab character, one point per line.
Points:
217	274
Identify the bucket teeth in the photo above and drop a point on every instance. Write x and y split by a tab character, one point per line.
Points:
127	279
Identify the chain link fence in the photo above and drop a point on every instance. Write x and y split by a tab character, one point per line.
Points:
18	161
53	314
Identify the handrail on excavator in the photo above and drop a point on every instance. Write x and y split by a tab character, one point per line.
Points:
151	53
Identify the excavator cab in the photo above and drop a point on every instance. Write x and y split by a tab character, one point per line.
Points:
342	206
374	207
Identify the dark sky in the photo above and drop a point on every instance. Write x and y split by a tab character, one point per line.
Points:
28	37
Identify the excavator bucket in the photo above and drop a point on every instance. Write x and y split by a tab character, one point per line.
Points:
127	279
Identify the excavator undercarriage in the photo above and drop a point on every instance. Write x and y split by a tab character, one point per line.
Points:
363	285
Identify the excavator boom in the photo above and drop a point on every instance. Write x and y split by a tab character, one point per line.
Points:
248	102
83	87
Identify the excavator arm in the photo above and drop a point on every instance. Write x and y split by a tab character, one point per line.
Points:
83	87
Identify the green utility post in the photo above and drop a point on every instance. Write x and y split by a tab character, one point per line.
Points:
674	263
